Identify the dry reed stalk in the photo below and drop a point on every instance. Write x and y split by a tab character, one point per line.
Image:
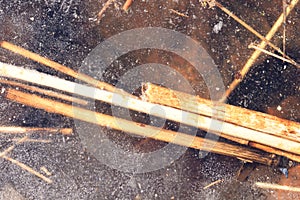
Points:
257	53
178	13
45	92
138	128
188	118
23	130
34	140
277	187
232	114
61	68
9	149
252	46
127	4
265	148
101	12
228	113
284	7
23	166
27	168
212	184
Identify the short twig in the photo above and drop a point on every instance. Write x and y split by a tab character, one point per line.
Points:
252	46
212	184
106	5
27	168
22	165
9	149
178	13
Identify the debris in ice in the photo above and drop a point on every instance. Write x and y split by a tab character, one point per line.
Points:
284	171
217	27
279	108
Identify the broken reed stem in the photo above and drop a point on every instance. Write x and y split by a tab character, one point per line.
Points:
61	68
9	149
265	148
34	140
45	92
203	122
257	53
277	187
252	46
228	113
27	168
46	171
178	13
127	4
284	7
212	184
106	5
24	130
138	128
23	166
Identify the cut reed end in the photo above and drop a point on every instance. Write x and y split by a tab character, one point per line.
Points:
5	44
127	5
66	131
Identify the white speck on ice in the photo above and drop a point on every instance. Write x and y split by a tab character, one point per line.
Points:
279	108
217	27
